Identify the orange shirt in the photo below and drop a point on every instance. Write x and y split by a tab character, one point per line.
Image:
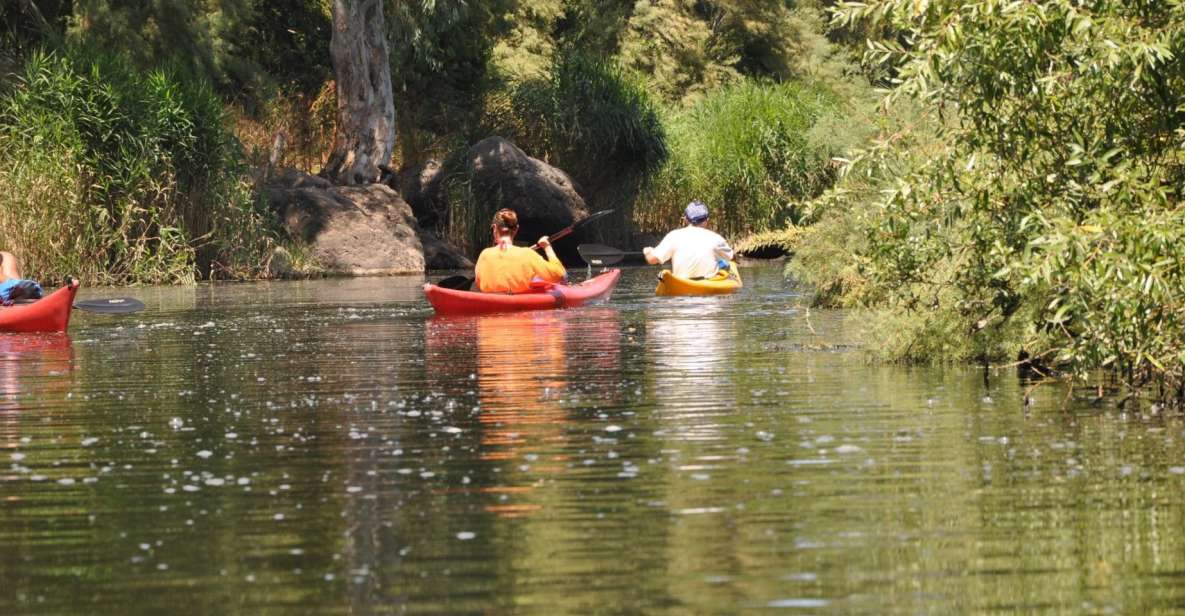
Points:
510	270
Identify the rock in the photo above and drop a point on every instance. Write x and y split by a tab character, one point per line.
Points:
351	230
440	255
544	197
422	187
280	265
291	178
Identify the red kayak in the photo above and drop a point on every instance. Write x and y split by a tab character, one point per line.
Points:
451	301
48	314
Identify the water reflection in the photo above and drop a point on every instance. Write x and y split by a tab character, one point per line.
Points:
525	368
23	357
691	344
32	366
521	375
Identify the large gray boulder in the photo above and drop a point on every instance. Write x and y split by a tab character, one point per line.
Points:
543	196
441	255
422	187
354	230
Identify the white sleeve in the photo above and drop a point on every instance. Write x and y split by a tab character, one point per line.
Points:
723	249
665	248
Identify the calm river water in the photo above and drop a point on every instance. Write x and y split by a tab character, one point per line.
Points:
331	447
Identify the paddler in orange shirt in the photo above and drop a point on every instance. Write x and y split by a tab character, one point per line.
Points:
506	268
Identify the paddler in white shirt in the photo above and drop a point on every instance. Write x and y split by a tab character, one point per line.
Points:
695	252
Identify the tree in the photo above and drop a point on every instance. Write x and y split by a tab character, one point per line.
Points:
1050	218
365	104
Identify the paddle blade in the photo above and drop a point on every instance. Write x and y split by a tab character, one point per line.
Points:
459	283
110	305
600	255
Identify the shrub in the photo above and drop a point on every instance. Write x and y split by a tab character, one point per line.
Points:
119	175
1051	218
587	115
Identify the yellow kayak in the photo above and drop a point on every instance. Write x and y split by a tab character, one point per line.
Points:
723	283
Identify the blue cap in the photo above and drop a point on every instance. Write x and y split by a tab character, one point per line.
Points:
696	212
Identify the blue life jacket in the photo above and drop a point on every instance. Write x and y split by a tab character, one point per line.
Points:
18	288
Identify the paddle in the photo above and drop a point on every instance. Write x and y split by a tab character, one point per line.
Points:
599	254
110	305
462	283
566	231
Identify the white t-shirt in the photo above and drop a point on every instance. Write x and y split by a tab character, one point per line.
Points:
693	251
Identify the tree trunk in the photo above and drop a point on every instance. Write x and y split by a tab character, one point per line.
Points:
365	108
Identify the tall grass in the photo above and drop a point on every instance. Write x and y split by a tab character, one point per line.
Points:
122	176
753	152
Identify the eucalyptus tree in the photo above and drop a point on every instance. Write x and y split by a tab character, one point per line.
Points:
365	136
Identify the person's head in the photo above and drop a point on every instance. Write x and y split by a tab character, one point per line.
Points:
696	213
505	224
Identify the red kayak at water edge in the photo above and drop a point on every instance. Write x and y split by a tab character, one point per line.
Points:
46	315
451	301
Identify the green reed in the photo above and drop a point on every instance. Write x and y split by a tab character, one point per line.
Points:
753	152
120	175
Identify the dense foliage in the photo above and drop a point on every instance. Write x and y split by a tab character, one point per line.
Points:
246	48
756	102
588	114
1049	216
121	176
440	71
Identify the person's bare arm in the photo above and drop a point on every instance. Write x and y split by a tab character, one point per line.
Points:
9	266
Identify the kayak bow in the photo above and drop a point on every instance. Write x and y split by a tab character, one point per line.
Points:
48	314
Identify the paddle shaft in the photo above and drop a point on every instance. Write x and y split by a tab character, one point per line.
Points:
598	254
566	231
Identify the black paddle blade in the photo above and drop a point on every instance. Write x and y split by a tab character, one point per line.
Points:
111	305
459	283
598	254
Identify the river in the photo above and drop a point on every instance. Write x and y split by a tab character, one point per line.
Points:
331	447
